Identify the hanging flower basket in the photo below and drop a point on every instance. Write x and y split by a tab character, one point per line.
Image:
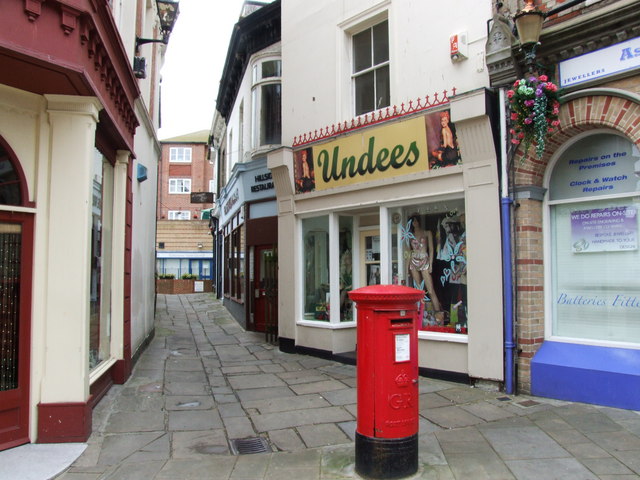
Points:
534	111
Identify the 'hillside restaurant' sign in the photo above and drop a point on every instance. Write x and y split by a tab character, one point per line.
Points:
201	197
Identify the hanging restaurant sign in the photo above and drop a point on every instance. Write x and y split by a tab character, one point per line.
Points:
201	197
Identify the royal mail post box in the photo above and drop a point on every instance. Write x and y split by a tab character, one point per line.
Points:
387	380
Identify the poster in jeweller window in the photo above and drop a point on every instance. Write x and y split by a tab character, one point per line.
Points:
604	230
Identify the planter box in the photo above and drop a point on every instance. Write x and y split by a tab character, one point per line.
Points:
172	286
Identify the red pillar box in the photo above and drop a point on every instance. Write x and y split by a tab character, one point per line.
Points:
387	376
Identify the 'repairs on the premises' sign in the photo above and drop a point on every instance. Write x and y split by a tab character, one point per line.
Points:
618	58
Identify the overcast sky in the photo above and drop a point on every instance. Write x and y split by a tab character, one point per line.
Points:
193	64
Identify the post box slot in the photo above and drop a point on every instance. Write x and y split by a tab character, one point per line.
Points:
396	321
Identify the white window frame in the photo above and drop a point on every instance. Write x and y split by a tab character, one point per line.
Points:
179	185
212	186
547	244
257	82
345	98
179	215
373	68
180	154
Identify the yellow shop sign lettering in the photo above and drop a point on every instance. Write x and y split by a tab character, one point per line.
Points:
335	169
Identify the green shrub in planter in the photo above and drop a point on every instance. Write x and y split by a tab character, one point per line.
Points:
166	275
189	276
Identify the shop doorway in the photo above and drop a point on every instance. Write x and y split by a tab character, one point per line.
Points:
265	288
370	257
16	241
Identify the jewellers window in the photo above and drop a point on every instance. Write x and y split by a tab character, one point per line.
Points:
595	263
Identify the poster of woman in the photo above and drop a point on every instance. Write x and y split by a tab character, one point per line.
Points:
442	141
303	171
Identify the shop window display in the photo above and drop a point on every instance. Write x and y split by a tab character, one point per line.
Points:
346	269
432	239
101	245
315	234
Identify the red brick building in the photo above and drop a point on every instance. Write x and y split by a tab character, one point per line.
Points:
185	176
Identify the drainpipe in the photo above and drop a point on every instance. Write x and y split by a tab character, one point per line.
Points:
505	204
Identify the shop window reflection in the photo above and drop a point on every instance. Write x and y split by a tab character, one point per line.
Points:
432	239
346	268
316	268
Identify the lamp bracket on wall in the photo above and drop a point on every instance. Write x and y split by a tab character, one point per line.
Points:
142	41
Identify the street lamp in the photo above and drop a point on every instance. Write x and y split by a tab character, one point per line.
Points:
529	25
168	13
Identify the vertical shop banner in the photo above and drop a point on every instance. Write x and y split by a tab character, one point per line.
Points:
604	230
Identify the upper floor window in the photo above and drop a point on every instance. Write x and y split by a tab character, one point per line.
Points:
10	185
180	154
370	72
179	185
265	103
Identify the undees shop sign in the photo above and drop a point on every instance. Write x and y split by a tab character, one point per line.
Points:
377	153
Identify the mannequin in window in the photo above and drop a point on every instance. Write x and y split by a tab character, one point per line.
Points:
421	261
453	250
346	278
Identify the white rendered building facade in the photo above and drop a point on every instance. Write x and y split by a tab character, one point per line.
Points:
405	193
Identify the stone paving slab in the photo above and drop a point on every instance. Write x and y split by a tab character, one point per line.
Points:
239	427
199	443
219	466
194	420
136	422
322	435
189	402
478	466
286	440
514	443
280	420
550	468
264	393
318	387
451	417
245	382
344	396
273	405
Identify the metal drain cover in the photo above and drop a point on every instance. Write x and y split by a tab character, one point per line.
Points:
247	446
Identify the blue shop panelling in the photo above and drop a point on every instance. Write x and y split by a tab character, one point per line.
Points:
586	373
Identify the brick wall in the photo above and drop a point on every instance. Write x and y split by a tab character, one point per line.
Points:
200	171
183	235
180	286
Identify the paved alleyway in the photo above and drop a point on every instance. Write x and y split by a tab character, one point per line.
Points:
203	381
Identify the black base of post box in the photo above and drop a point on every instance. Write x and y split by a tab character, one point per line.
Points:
386	458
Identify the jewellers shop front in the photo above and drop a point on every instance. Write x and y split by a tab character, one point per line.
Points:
412	200
581	201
